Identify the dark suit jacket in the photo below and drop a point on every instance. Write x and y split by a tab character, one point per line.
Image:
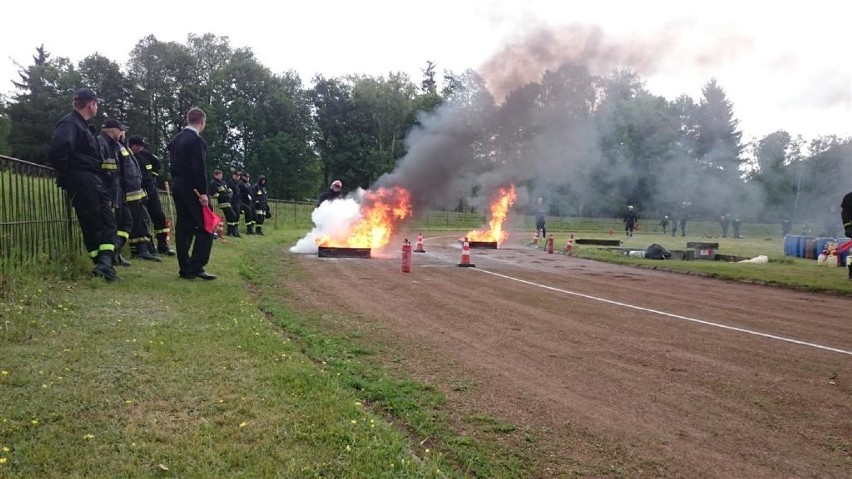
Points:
188	158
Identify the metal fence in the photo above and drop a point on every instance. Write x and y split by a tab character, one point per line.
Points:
36	219
38	224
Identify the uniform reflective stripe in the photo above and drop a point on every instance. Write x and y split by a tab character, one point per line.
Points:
123	234
155	173
136	195
149	167
106	247
93	254
224	205
141	239
259	193
124	152
260	212
220	188
164	230
233	223
109	164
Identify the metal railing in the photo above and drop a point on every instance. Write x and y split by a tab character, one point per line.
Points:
36	219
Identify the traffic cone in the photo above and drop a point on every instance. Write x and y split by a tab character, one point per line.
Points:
465	257
569	246
535	239
549	244
610	233
418	248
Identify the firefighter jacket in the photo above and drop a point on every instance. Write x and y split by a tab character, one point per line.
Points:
150	166
328	195
245	193
219	190
74	146
129	174
261	204
234	186
846	214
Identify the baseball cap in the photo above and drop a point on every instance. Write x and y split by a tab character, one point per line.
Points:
86	94
113	123
137	140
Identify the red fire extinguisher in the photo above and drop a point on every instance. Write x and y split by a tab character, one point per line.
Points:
549	245
406	257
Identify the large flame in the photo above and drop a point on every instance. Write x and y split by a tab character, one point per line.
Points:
504	200
381	210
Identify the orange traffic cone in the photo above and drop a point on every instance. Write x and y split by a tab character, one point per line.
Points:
548	246
569	246
465	258
610	233
535	239
418	248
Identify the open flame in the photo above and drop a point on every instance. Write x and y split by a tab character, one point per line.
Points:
381	210
504	200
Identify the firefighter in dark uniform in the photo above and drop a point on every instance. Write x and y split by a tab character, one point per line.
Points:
236	202
151	167
846	217
247	202
630	219
75	155
332	193
123	219
261	203
130	177
222	192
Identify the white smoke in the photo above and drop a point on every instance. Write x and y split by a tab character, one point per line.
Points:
333	219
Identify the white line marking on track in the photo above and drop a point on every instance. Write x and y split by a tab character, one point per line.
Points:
670	315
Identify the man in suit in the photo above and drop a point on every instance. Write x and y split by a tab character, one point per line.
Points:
188	157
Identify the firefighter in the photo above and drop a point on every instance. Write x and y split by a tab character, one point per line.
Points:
332	193
246	202
261	203
846	217
222	192
75	154
151	166
124	222
630	219
130	178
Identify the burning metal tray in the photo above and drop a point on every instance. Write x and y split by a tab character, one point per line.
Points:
333	252
483	244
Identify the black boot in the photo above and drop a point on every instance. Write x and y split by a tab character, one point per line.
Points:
119	260
163	245
104	268
236	231
249	229
258	230
142	252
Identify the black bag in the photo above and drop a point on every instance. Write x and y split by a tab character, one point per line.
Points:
656	251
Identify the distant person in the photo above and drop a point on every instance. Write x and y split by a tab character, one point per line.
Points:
332	193
540	217
736	224
674	224
223	193
630	219
261	205
786	227
724	221
684	216
247	201
75	154
188	160
664	223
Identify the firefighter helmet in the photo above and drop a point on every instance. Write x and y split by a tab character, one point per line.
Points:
336	184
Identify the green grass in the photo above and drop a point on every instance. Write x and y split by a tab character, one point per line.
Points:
158	377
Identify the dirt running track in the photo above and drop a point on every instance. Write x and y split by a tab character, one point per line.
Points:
671	375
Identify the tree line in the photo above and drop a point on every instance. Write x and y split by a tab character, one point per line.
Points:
589	144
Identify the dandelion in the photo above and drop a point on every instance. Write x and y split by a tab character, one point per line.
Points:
2	460
4	372
89	437
243	424
5	449
353	421
348	448
34	422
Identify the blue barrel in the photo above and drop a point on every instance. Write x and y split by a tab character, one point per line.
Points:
802	246
788	245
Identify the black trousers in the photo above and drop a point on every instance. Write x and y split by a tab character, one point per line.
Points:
189	232
232	218
141	227
259	214
155	208
93	206
248	213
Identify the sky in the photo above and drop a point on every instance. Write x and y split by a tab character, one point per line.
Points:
783	65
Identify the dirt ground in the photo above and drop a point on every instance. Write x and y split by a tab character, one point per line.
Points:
614	370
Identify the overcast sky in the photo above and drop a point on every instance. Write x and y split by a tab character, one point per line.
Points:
784	65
